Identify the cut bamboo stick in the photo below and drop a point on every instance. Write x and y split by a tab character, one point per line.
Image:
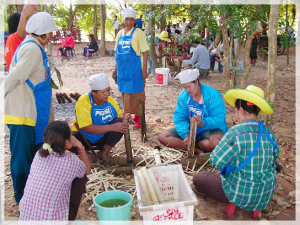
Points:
128	146
155	185
193	130
142	121
144	186
157	157
149	185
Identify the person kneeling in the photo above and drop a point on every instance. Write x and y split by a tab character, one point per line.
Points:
205	105
246	156
99	118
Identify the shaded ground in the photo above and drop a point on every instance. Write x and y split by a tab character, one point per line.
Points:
160	105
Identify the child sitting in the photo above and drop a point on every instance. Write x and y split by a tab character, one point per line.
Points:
57	179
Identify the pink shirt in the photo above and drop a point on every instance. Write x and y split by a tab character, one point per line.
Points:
47	191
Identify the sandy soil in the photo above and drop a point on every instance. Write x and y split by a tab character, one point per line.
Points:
160	105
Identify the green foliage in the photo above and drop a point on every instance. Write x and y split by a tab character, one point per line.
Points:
53	85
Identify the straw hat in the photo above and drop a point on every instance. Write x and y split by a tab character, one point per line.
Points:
163	36
251	94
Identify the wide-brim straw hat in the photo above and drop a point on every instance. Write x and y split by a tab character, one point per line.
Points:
251	94
163	36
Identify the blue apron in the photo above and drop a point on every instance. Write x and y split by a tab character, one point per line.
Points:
43	94
129	68
101	115
226	170
196	109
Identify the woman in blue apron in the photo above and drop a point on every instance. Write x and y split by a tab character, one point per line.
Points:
202	103
131	64
27	98
246	156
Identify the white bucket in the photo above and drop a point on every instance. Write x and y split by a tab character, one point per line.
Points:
162	76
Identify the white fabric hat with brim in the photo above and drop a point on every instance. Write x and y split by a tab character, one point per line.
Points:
251	94
40	23
69	33
129	12
98	82
188	75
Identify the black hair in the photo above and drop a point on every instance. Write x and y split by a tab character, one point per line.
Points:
55	134
197	41
196	81
177	31
13	22
249	107
42	36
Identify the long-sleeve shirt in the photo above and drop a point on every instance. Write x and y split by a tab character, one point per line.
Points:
93	44
251	187
69	42
201	56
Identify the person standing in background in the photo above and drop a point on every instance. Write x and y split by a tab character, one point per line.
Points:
131	65
140	22
184	24
16	29
116	24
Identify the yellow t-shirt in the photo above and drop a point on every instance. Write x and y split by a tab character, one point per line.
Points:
83	111
138	42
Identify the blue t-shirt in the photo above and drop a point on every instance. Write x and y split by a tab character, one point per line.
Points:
139	23
196	109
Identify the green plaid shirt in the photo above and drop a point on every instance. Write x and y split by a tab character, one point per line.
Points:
251	187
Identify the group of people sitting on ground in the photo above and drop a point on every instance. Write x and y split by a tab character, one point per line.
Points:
245	154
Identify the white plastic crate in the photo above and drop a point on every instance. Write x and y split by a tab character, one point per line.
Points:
178	207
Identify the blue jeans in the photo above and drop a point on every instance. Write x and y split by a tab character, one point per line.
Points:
85	51
23	149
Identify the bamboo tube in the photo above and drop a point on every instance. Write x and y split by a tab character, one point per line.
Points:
155	185
193	130
128	146
144	186
149	185
157	157
142	121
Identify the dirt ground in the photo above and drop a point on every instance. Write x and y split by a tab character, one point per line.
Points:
160	105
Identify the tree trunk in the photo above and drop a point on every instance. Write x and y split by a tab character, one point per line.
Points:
11	9
247	62
45	8
19	7
72	15
51	9
272	60
286	28
152	39
95	22
49	43
226	59
162	27
103	19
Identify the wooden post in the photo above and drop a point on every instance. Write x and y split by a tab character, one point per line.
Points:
128	146
193	130
143	121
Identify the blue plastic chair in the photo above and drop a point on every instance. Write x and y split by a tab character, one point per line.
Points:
71	53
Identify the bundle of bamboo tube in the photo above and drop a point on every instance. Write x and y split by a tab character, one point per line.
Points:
150	186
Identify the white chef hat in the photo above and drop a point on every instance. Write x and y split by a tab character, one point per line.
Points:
40	23
129	12
188	75
98	82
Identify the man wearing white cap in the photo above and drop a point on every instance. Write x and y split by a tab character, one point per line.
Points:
131	64
205	105
27	97
99	117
